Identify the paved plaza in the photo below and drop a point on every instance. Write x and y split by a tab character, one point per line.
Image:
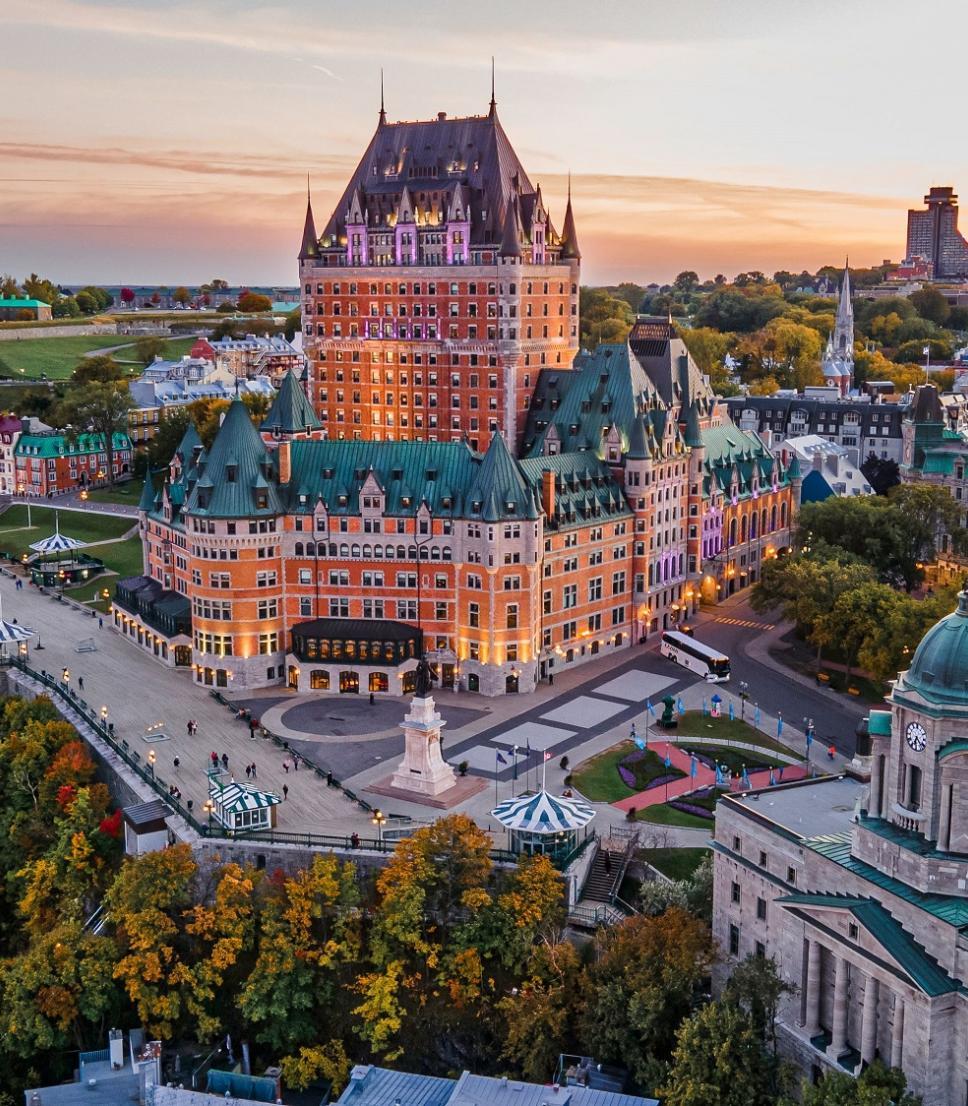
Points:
585	712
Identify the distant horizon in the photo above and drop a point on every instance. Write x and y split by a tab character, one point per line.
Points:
172	141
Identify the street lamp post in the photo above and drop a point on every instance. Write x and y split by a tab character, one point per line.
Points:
66	678
151	762
209	809
744	694
104	716
378	819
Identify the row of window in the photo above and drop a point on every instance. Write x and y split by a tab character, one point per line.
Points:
453	288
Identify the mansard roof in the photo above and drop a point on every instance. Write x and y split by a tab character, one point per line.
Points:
731	451
291	412
585	488
433	159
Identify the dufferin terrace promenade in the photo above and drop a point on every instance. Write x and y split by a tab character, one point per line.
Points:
450	477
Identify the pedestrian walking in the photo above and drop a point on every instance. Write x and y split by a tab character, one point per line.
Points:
285	791
608	864
355	840
194	729
176	762
248	771
100	622
831	752
188	727
214	759
372	698
285	767
225	760
80	683
253	770
295	763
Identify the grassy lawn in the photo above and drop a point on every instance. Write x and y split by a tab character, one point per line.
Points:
15	537
129	492
694	724
123	558
734	759
598	779
662	815
675	863
58	357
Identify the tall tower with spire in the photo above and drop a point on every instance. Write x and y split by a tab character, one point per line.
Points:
441	264
838	358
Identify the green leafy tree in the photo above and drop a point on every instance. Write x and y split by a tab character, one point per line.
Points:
9	288
99	408
718	1060
604	317
930	304
254	302
757	988
148	347
181	295
708	348
643	980
875	1086
100	369
171	430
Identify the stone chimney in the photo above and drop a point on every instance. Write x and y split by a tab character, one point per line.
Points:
285	462
548	493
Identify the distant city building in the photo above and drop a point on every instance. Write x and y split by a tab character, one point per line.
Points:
16	308
11	427
170	384
838	358
934	238
51	464
828	468
857	891
254	355
438	289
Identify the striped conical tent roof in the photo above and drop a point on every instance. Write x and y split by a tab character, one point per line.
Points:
543	813
57	543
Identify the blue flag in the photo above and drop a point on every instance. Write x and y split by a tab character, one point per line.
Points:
756	717
639	743
680	706
779	727
772	778
501	759
746	777
809	738
732	713
694	767
719	776
649	707
705	709
668	761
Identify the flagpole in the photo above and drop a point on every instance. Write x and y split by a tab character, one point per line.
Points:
496	755
544	770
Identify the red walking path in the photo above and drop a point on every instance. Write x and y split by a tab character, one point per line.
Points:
705	777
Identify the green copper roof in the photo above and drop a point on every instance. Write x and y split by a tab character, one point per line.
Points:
60	445
939	668
232	479
584	488
8	302
291	412
148	494
879	724
499	489
952	749
947	908
730	450
407	474
912	959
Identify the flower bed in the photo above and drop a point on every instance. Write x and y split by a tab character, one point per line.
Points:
642	769
700	804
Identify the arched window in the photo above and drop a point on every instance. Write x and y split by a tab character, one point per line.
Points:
732	531
773	519
344	550
435	553
783	514
319	679
367	552
754	519
763	522
447	553
310	549
401	553
299	549
743	528
356	551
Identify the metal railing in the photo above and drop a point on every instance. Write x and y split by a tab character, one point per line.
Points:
331	842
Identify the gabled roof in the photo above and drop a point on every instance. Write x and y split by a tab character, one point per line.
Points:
291	412
910	957
233	471
585	488
499	489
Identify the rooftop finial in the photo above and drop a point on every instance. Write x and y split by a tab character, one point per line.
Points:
383	113
493	104
308	190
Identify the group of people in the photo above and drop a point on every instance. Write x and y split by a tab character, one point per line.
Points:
191	727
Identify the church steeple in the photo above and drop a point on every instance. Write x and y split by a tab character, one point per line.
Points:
492	108
383	113
310	240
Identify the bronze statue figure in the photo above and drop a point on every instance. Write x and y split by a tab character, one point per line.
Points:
424	679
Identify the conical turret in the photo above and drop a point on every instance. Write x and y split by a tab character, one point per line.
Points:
310	241
569	236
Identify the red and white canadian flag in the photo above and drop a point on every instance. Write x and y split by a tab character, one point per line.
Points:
547	756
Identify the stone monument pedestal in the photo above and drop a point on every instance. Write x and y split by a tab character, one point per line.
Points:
423	768
423	776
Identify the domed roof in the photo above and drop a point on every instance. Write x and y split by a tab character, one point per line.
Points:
939	669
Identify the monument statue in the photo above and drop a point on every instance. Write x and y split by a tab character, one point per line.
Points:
424	680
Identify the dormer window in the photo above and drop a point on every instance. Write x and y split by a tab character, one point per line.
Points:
261	500
231	472
405	500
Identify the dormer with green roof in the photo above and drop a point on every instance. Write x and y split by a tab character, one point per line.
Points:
499	490
291	414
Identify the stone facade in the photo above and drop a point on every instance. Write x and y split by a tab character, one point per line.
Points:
860	893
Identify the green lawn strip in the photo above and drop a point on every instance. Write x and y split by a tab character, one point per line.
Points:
129	492
734	759
598	779
121	559
15	536
675	863
58	357
695	724
663	815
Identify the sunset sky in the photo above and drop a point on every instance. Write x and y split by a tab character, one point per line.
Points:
163	142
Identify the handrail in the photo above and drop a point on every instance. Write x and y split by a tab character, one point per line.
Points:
333	842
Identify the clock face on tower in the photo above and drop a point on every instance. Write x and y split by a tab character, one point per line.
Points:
916	736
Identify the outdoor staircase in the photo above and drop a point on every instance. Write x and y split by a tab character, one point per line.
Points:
601	884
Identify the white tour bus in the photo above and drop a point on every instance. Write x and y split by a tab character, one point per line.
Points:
701	659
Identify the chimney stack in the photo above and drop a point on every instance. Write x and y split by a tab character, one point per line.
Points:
548	493
285	462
